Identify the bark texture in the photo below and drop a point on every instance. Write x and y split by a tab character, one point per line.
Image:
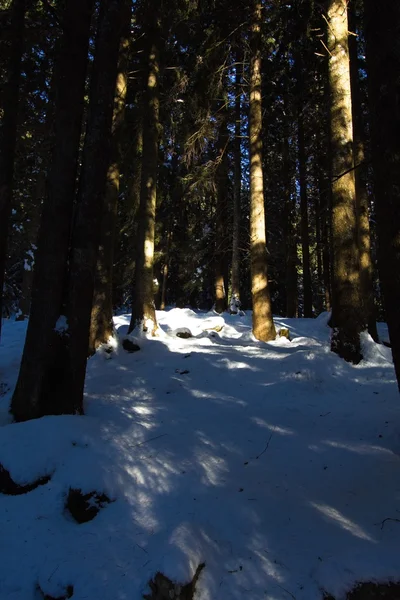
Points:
302	158
360	174
347	319
101	324
237	184
382	32
34	394
143	308
8	131
222	185
89	208
263	324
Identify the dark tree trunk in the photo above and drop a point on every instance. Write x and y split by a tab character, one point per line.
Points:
143	308
237	184
360	173
34	393
89	209
8	130
382	31
302	157
290	237
101	325
347	319
165	270
32	229
222	185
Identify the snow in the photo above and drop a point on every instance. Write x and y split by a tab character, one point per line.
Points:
274	463
61	325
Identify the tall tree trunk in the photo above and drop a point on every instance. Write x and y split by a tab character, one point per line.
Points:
318	248
33	395
263	324
290	240
8	131
101	325
40	194
165	269
222	185
347	318
237	184
89	209
143	308
382	31
302	157
32	229
360	173
324	194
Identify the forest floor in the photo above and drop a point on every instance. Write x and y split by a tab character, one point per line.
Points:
275	464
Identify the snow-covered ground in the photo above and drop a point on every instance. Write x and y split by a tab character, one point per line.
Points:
275	464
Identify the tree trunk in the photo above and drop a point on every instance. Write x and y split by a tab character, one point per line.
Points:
347	318
165	269
318	248
360	173
101	325
382	32
34	393
32	229
237	184
89	209
263	324
9	131
305	244
290	241
222	185
143	308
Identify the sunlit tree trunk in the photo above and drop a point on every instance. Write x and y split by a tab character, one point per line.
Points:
347	318
101	325
382	31
360	173
8	132
143	308
263	324
34	394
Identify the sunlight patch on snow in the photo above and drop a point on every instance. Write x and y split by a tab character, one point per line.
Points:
232	364
342	521
359	448
274	428
219	397
213	469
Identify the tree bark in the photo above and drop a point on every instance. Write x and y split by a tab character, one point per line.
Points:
263	324
143	308
222	185
360	174
89	208
302	157
8	138
347	318
34	393
101	325
237	184
382	32
290	241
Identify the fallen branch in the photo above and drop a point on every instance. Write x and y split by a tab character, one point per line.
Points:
149	440
266	447
387	519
